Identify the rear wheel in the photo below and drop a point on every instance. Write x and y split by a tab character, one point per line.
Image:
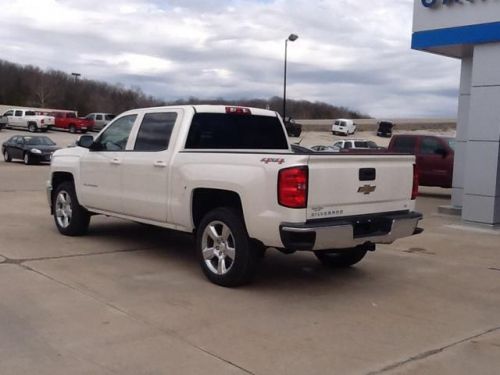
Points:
341	259
71	219
227	255
6	156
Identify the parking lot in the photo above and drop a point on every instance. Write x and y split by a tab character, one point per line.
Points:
130	299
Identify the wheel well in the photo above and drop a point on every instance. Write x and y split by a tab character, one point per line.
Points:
206	200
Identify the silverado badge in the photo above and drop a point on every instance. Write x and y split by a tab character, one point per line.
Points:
367	189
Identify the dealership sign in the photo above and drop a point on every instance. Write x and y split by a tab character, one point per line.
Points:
435	3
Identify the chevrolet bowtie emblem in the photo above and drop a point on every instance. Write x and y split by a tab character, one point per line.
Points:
367	189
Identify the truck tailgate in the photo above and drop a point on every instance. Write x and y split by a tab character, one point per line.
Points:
346	185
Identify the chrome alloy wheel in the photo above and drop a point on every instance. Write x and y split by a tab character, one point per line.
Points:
63	209
218	247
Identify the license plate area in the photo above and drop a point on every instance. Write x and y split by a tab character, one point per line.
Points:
371	227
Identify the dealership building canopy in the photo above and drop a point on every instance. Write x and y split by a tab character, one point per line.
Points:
470	30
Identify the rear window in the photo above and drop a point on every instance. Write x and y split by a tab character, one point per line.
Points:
29	113
222	131
405	145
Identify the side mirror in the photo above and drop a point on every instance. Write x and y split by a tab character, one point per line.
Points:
442	152
85	141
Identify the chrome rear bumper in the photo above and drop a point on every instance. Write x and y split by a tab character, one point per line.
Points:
350	232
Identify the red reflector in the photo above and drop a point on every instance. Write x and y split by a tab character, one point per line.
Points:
414	190
238	111
292	187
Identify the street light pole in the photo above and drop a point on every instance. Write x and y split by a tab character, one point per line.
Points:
76	75
291	38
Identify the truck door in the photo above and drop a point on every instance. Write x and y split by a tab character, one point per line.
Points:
433	162
100	168
18	120
146	169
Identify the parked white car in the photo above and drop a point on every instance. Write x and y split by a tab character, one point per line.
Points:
229	176
27	119
348	144
343	126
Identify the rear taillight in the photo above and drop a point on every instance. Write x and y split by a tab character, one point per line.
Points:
292	187
238	111
414	190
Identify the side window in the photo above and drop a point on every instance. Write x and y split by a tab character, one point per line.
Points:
98	117
361	144
9	113
116	136
18	113
154	133
13	140
347	145
20	140
429	145
405	145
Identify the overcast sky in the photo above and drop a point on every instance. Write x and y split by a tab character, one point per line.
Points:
349	52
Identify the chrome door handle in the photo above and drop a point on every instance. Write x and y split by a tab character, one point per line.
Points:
115	161
160	164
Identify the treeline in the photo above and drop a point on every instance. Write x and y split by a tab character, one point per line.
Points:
30	86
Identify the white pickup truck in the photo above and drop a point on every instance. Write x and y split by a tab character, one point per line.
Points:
27	119
229	175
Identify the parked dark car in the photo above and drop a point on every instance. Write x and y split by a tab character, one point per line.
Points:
298	149
434	157
385	129
30	149
293	129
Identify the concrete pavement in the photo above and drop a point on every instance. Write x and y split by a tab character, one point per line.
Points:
130	299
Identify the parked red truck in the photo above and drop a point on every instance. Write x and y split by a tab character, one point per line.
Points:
434	157
69	121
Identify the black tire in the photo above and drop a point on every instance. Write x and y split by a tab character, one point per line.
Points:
27	158
72	129
78	218
6	156
32	128
341	259
242	267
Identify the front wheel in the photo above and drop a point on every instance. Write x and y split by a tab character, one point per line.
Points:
72	129
27	158
71	219
226	253
341	259
32	128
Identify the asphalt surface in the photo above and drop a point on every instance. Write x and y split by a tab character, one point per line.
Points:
130	299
